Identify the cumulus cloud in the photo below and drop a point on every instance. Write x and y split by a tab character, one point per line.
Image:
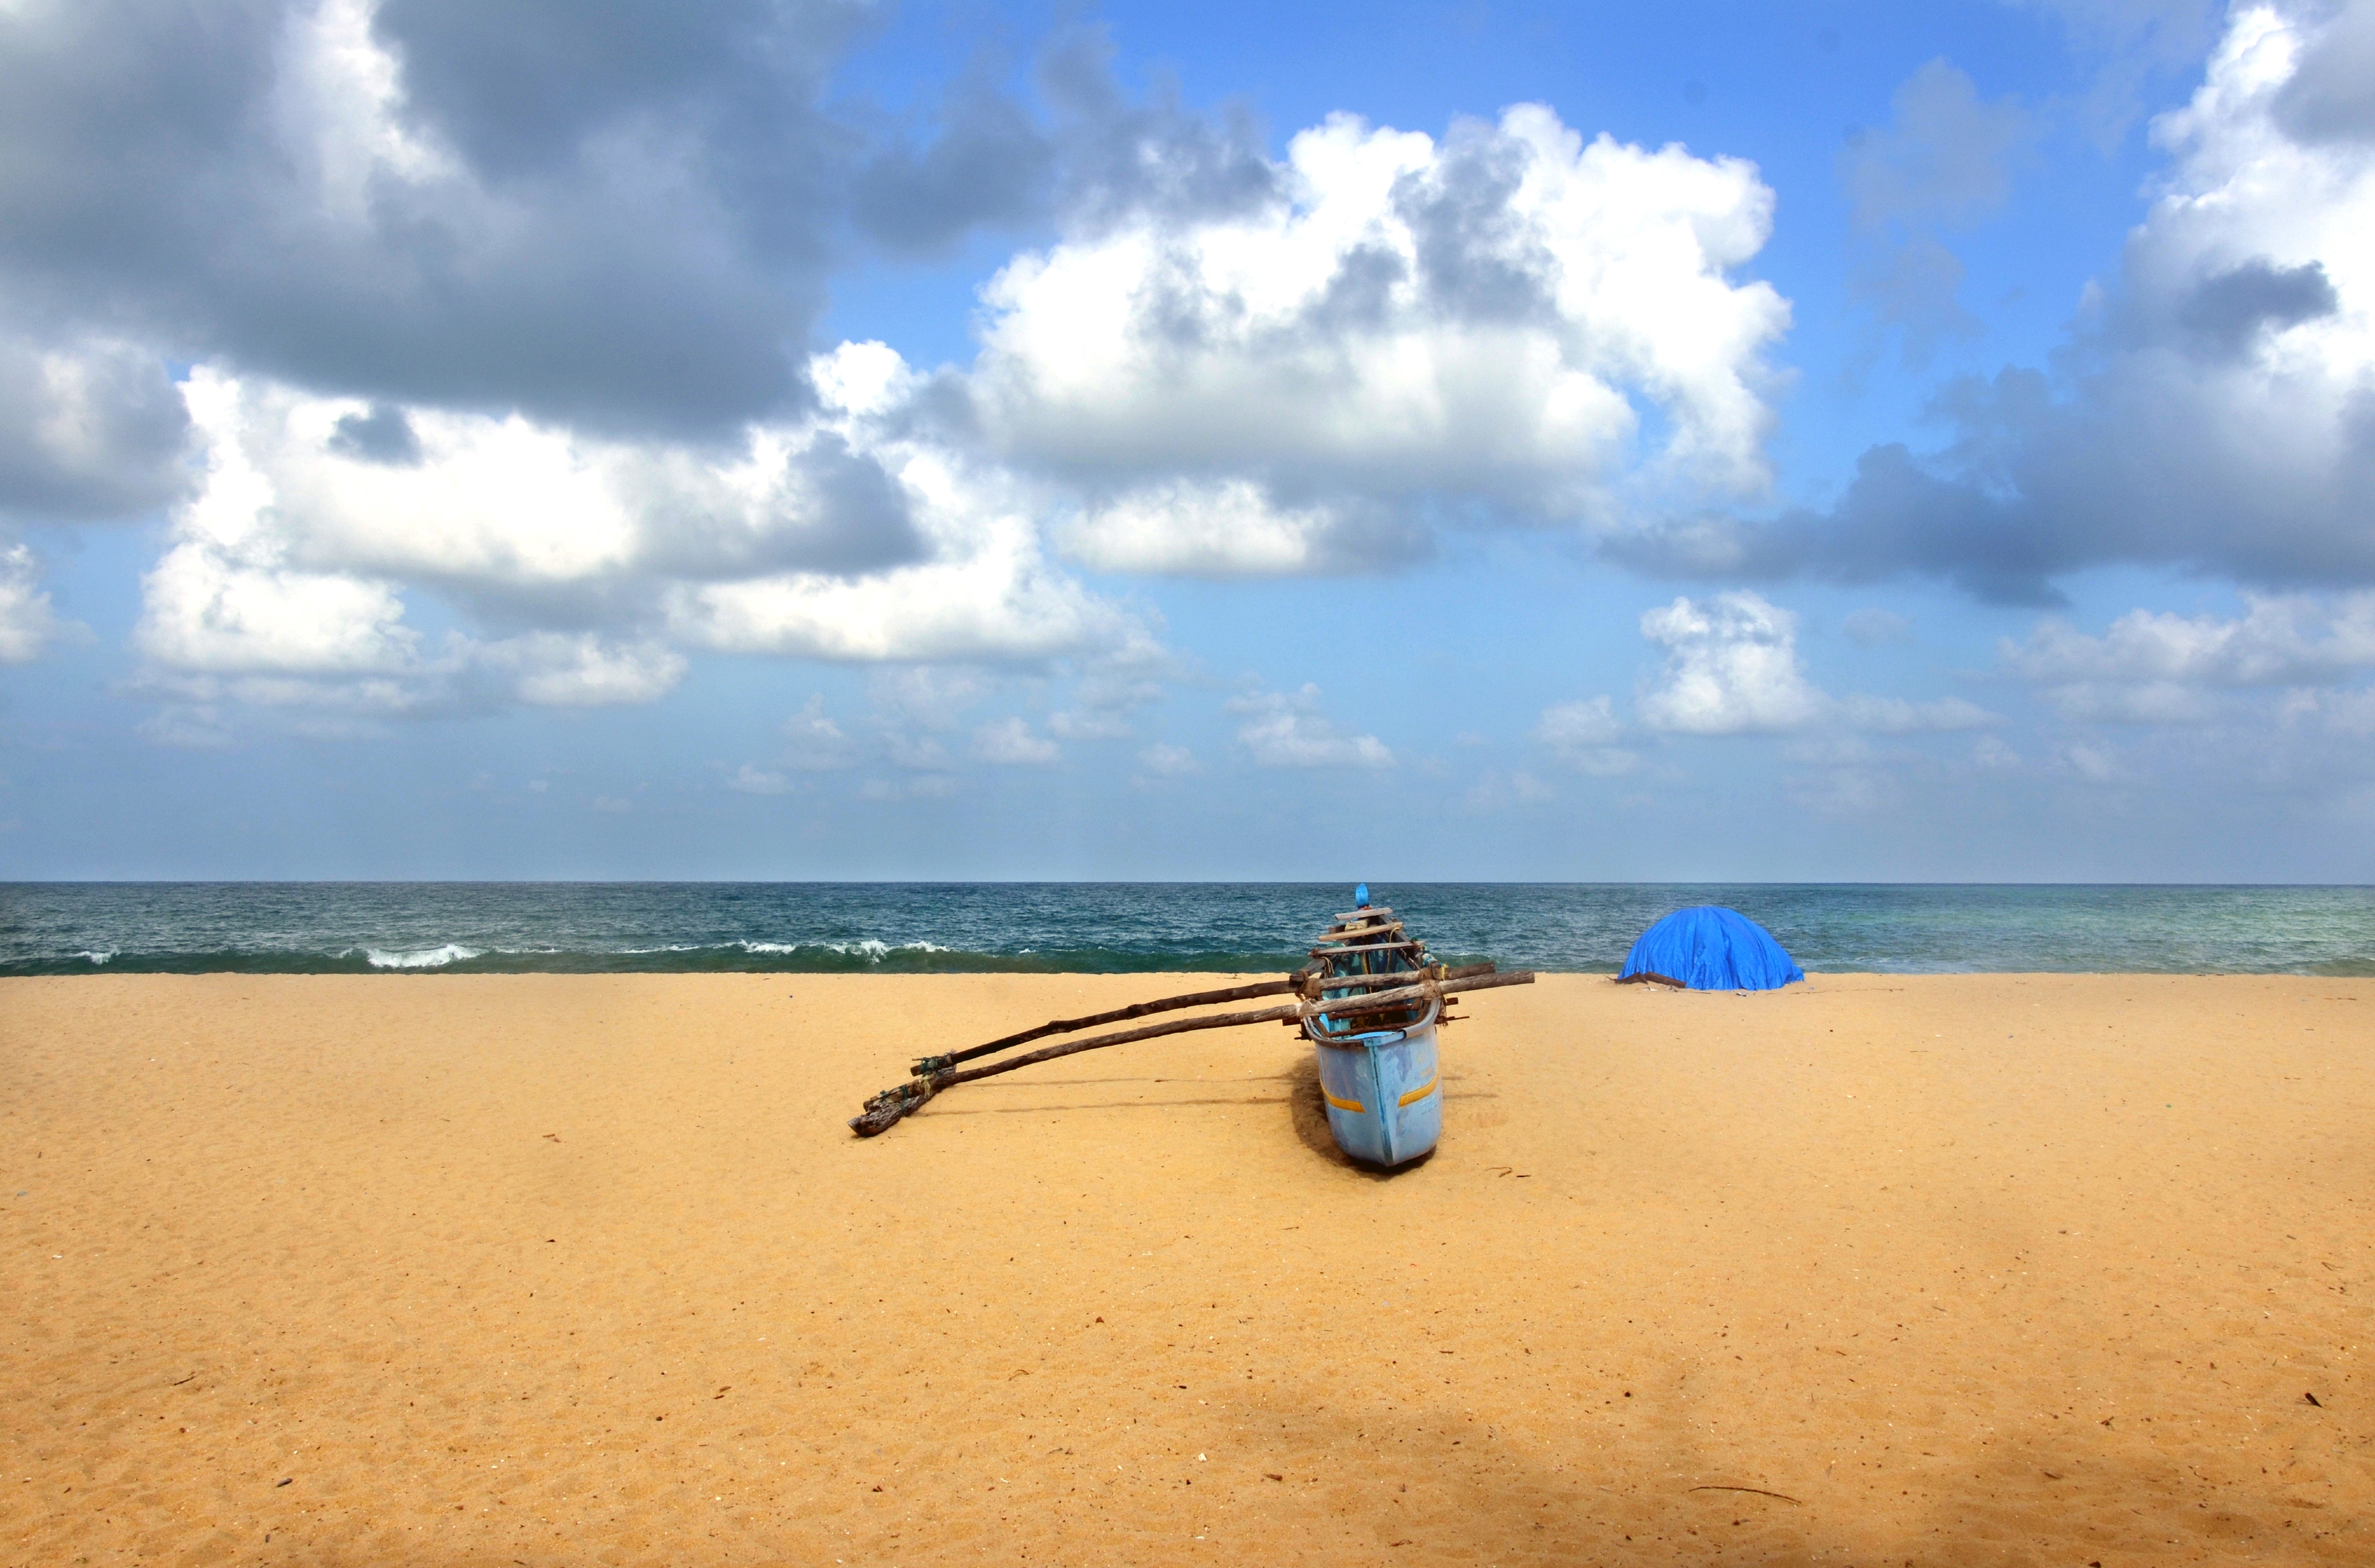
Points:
480	332
830	537
2327	98
26	622
1009	741
1094	159
1287	730
1399	331
2152	668
88	428
1226	528
503	508
2216	412
282	583
616	220
2279	640
559	670
1732	669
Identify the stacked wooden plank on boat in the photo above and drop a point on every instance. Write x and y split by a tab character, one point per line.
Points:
1379	1073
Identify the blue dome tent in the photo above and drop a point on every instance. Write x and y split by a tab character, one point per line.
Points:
1711	949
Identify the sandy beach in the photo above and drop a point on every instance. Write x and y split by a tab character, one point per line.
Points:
546	1270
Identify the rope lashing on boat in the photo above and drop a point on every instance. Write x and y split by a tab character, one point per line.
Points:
1410	987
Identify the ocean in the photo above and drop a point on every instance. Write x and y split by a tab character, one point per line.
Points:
918	928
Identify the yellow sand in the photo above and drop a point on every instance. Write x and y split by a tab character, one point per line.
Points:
1946	1270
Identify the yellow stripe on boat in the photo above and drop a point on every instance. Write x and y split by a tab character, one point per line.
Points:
1353	1105
1415	1095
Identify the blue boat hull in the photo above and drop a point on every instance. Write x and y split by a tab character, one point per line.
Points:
1384	1092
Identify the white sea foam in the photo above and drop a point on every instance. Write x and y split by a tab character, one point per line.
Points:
875	952
872	949
418	957
98	957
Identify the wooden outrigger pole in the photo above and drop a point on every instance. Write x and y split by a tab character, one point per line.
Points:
1389	993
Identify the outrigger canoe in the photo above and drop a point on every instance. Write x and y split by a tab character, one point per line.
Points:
1368	1000
1378	1070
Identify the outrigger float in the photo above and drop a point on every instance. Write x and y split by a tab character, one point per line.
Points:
1370	1001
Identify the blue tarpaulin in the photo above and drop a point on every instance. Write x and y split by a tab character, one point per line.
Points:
1711	949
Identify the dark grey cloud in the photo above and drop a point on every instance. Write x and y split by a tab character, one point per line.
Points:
625	223
1360	296
87	431
988	164
522	87
1083	155
1897	518
1122	160
2134	463
2228	311
1478	259
728	92
615	215
2331	95
840	514
382	435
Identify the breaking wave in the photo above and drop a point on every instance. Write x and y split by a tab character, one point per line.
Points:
419	958
867	947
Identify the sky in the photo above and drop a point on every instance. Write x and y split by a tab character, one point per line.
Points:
822	439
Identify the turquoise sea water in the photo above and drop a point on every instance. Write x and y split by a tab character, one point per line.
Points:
910	927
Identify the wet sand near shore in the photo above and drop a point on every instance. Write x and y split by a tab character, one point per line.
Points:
1941	1269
